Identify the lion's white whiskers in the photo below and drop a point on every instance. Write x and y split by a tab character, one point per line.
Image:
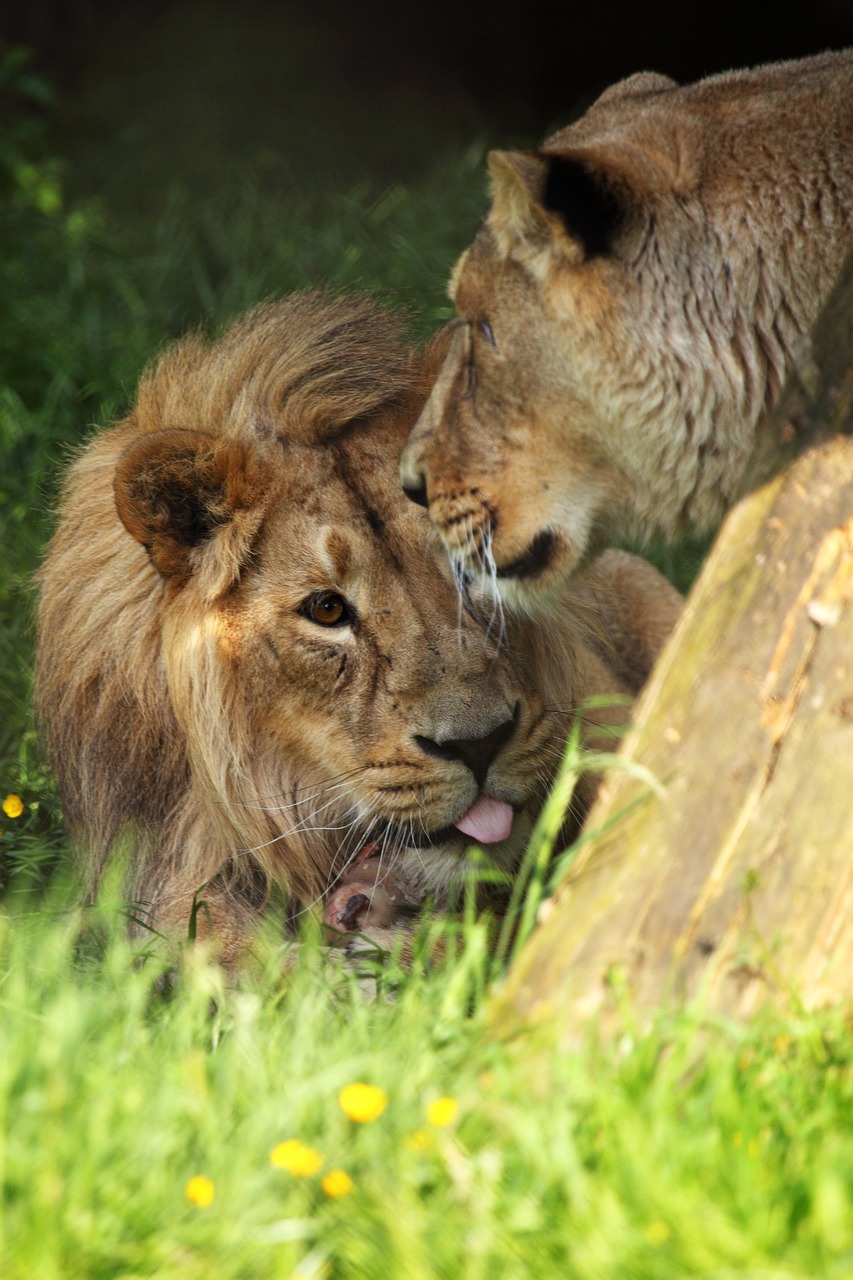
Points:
413	845
302	828
349	858
338	781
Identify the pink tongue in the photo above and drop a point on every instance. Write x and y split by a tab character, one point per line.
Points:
487	820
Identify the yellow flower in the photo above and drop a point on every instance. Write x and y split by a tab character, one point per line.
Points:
363	1102
337	1183
200	1191
296	1158
13	806
420	1140
442	1112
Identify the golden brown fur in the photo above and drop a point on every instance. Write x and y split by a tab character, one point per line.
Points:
628	312
252	658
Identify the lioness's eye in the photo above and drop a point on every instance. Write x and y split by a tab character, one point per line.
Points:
486	330
326	608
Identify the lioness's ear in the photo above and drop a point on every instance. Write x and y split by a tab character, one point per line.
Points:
517	182
564	203
194	502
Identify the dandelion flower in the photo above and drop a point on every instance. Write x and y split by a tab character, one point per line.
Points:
442	1112
337	1183
363	1102
294	1157
420	1140
13	806
200	1191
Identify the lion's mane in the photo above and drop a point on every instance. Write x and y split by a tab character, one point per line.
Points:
103	702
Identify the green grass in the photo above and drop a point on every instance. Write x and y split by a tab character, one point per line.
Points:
698	1149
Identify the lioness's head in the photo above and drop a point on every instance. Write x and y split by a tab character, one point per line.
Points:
252	651
517	452
607	369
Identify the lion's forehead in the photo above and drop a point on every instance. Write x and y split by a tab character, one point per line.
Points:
341	537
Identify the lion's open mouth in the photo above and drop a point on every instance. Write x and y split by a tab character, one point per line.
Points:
536	558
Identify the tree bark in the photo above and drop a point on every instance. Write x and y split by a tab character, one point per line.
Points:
735	883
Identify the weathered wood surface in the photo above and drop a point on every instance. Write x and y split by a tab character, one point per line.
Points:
736	882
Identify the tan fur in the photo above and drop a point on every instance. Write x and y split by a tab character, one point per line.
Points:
200	717
645	278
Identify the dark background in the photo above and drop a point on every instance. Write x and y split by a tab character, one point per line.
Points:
339	91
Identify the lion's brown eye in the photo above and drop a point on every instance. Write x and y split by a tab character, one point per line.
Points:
486	330
327	608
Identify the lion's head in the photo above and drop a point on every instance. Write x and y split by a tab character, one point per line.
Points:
252	658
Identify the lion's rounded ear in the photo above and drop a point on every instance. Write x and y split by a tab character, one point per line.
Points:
174	489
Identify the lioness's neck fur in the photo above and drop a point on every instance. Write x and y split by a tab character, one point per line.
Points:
733	209
644	279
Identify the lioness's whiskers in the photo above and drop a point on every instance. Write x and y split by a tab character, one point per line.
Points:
490	570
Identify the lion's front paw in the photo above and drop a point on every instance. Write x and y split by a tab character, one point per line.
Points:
367	898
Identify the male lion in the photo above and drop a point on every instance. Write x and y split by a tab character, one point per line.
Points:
253	669
628	312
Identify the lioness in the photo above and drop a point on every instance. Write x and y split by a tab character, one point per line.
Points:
253	668
628	312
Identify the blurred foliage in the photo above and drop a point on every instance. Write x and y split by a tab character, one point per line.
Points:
27	176
688	1147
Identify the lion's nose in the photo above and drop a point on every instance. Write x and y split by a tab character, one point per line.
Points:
416	490
476	753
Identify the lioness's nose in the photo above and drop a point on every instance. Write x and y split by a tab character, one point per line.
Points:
416	489
476	753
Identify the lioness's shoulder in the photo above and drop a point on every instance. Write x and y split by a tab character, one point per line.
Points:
635	606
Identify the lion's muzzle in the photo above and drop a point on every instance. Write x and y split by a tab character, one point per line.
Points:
476	753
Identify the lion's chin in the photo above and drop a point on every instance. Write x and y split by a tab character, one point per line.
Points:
448	856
